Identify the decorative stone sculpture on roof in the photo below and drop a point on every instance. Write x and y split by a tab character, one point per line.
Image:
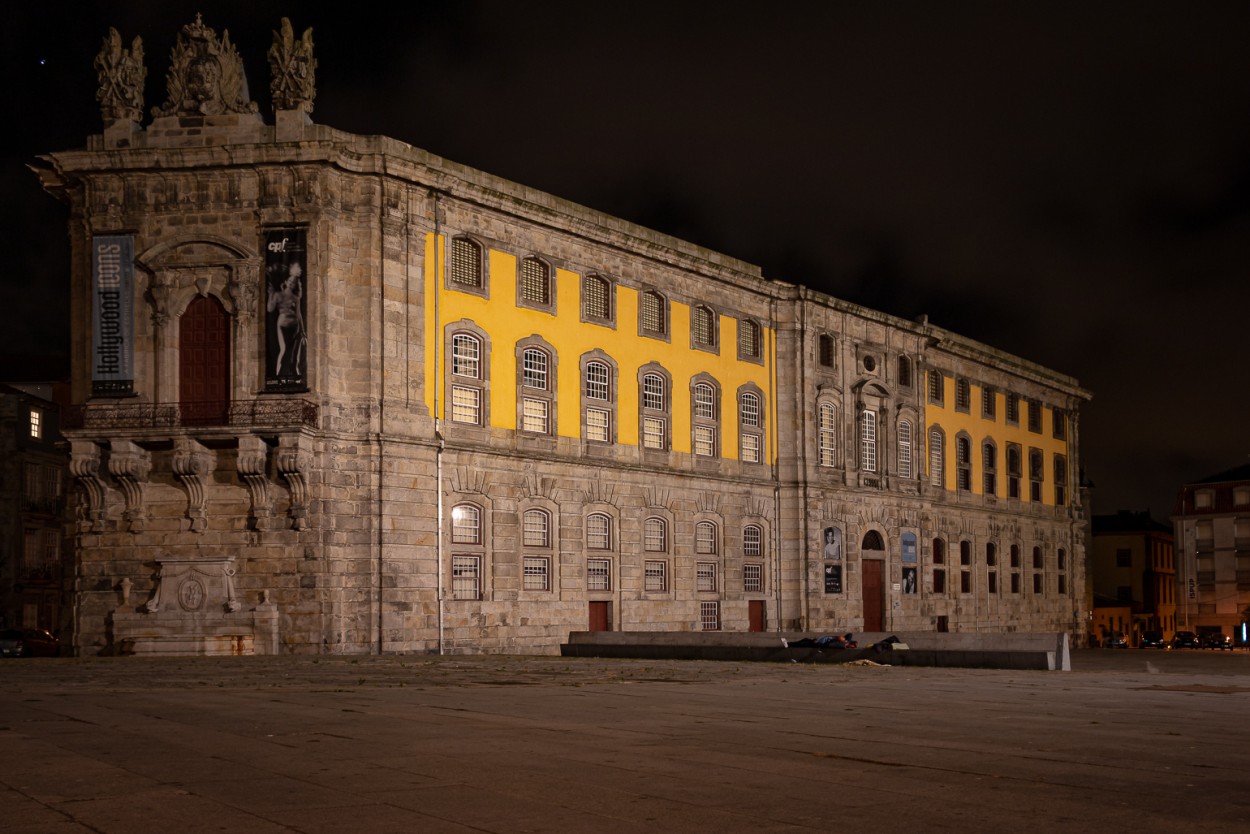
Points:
206	76
121	73
294	69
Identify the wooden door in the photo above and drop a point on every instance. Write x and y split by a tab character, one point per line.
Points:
599	616
755	615
874	595
204	363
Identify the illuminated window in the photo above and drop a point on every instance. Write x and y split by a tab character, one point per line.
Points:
596	298
466	262
937	477
466	524
828	435
535	283
703	327
868	440
36	424
654	314
748	339
904	449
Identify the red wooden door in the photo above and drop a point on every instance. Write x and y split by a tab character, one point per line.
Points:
599	616
204	363
874	595
755	615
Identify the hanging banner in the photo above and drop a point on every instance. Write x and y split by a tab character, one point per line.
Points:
909	548
833	579
286	305
112	315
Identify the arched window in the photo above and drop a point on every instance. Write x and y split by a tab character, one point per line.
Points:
868	440
704	401
748	339
536	529
466	524
937	477
937	386
904	372
536	403
872	541
598	532
466	354
904	449
705	427
535	283
939	552
466	262
655	535
702	327
1035	475
598	403
753	541
749	409
706	542
963	463
596	298
1013	470
534	369
750	421
654	314
654	401
828	434
989	468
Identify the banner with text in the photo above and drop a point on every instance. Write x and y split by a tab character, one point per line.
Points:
286	284
112	310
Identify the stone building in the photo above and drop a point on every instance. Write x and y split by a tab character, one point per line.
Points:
1132	565
337	394
1212	529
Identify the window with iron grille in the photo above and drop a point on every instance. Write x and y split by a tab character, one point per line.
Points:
654	319
653	433
534	416
705	441
705	576
598	381
904	449
752	578
466	262
655	576
535	282
1035	475
749	409
598	575
904	372
963	463
1013	470
989	466
1013	409
936	476
598	532
655	535
534	369
753	540
963	395
705	539
828	435
704	401
989	402
749	447
936	385
1035	416
466	405
598	425
868	440
826	350
466	577
703	326
748	339
709	616
596	297
466	524
537	573
466	352
537	529
653	392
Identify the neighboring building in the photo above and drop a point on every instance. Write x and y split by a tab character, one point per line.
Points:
336	394
32	502
1212	527
1132	565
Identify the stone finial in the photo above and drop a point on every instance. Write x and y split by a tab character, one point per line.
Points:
206	76
294	69
121	73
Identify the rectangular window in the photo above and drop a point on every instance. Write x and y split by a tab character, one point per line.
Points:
939	581
750	448
598	575
963	395
466	405
534	370
466	573
1015	583
868	441
653	392
36	424
534	416
936	384
466	262
598	425
753	578
705	576
1035	416
656	576
534	285
704	441
1059	422
595	293
652	313
702	325
709	616
904	450
748	339
1037	583
1123	558
537	573
992	582
535	530
597	381
653	432
1063	584
989	402
965	582
1013	409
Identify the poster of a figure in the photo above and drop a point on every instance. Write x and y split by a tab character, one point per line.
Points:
833	579
909	580
286	306
833	544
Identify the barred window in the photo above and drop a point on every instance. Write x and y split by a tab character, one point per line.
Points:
705	441
963	464
598	425
825	347
653	392
989	402
904	372
748	339
703	326
536	529
936	386
1013	409
655	575
1013	471
705	576
753	578
709	615
704	401
466	524
598	575
537	573
466	353
654	319
466	577
705	543
534	416
655	535
466	262
466	405
989	466
868	441
904	449
753	540
534	369
963	394
535	282
749	409
596	297
598	532
828	435
598	381
1035	416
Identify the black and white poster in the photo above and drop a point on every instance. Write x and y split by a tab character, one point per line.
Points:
833	544
833	579
112	315
286	306
909	580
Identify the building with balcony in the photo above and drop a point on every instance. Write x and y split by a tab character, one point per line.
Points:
1211	523
333	393
1132	566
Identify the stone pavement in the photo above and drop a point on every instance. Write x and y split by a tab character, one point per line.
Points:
1128	741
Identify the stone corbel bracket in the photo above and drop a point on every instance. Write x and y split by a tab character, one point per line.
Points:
84	464
253	465
129	465
192	462
294	461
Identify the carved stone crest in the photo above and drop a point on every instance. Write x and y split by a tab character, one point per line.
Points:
121	73
294	69
206	75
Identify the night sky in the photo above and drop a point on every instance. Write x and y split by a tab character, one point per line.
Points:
1069	182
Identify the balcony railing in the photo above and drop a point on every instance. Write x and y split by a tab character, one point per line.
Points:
239	413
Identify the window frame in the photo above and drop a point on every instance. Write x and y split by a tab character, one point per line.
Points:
605	405
654	415
713	320
458	245
653	303
827	434
936	387
548	303
608	317
750	340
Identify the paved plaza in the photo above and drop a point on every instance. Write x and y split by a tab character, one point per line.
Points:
1127	741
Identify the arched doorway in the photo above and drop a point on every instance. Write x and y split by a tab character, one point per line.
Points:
872	573
204	363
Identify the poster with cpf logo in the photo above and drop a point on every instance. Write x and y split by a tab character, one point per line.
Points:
112	315
286	310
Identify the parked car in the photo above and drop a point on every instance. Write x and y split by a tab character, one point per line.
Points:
1115	640
30	642
1152	640
1215	640
1185	640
